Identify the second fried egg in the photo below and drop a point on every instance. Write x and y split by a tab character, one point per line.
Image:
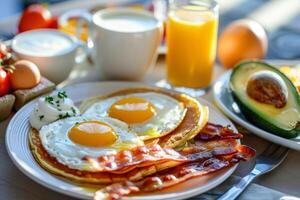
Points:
149	114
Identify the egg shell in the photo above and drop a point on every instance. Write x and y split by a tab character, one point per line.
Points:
25	76
240	40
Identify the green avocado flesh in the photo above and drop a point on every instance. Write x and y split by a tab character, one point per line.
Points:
282	120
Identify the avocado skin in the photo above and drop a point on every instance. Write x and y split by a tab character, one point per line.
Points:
256	118
260	122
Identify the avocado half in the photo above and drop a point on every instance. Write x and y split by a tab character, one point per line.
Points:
283	121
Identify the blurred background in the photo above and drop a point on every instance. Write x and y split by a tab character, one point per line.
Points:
280	18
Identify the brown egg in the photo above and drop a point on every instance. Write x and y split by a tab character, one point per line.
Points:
241	40
26	75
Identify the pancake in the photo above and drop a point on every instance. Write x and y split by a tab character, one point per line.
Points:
51	165
194	120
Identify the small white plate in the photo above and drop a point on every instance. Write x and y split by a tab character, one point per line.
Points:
226	103
18	149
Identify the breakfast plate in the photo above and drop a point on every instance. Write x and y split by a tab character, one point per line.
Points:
19	151
224	100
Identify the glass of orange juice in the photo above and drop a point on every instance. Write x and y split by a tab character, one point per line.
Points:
192	27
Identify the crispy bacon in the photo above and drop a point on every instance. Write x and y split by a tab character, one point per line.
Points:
196	151
217	132
125	161
174	176
212	140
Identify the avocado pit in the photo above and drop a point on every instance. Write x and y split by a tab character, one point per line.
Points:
268	88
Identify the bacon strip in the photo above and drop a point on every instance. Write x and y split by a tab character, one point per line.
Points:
125	161
217	132
212	140
176	175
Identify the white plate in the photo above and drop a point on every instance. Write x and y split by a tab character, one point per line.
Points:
18	149
226	103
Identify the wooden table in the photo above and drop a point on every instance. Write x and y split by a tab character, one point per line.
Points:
15	185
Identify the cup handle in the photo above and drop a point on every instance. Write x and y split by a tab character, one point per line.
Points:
83	52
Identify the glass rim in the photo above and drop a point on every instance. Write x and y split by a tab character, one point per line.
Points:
209	4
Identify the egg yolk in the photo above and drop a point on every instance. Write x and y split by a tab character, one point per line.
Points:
132	110
93	134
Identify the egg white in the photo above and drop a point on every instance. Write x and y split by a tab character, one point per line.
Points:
169	114
55	140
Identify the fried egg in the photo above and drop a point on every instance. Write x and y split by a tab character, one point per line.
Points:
69	140
149	114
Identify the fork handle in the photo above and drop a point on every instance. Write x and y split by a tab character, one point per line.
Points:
237	189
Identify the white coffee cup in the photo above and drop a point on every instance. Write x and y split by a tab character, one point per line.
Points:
125	42
54	52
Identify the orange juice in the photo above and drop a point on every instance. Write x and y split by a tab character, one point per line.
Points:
191	41
70	28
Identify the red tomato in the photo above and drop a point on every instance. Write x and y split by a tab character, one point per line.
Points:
34	17
3	50
53	22
4	82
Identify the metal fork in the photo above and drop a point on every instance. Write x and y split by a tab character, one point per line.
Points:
272	157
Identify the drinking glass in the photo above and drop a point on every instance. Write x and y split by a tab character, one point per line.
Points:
192	27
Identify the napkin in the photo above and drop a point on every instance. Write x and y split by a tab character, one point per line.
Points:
252	192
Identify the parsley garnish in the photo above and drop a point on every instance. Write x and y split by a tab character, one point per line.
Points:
61	116
49	99
62	95
73	110
41	117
